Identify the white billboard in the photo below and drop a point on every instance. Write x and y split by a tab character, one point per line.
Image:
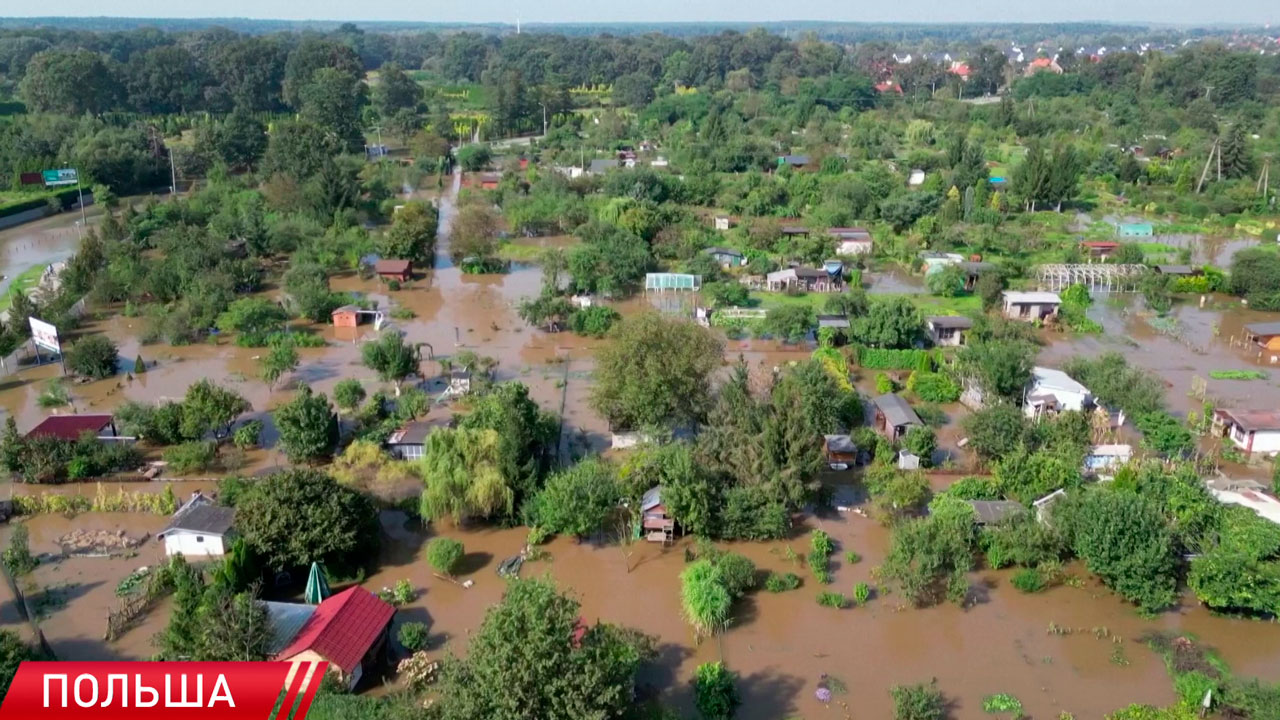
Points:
45	335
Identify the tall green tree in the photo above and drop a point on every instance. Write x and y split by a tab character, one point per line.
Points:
70	82
391	358
412	235
332	101
655	372
308	426
579	500
395	91
1125	541
532	657
299	516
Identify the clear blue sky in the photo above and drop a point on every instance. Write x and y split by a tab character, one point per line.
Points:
1159	11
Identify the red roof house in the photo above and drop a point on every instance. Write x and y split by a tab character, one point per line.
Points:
348	629
71	427
888	86
399	270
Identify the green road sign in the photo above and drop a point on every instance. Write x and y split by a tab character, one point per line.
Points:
65	176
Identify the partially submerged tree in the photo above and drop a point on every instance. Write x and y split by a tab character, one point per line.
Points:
655	372
308	426
534	657
297	517
391	358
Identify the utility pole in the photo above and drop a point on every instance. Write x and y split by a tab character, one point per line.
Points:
173	176
544	119
1208	163
83	221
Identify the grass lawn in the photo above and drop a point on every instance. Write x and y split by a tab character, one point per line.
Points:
520	253
23	283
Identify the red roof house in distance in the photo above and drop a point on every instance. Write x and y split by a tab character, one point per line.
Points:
349	630
71	427
398	270
959	69
888	86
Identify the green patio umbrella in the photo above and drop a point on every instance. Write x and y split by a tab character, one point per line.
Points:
317	585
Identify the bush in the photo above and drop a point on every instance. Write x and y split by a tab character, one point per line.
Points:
413	636
17	558
861	594
402	593
781	582
1028	580
933	387
831	600
918	702
189	457
737	572
714	692
1002	702
93	357
348	394
921	441
852	557
248	435
884	384
821	543
444	554
593	321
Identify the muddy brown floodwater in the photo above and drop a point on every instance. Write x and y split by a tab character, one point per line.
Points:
780	644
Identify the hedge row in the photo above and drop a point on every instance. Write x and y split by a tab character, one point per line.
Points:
13	207
882	359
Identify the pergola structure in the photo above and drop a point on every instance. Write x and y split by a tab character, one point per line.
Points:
1096	277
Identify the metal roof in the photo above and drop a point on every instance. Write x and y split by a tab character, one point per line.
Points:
1264	328
840	443
1034	297
959	322
415	432
70	427
896	410
286	620
651	499
1253	420
1043	378
833	321
990	512
200	515
392	266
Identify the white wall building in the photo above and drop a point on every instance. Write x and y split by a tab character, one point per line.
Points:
1255	431
1053	391
199	529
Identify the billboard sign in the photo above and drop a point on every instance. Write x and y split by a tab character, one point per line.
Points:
65	176
45	335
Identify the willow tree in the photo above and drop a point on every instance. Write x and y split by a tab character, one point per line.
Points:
463	476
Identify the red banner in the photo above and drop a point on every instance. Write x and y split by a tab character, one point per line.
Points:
146	690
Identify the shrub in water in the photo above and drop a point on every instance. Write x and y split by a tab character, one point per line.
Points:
830	599
413	636
781	582
1028	580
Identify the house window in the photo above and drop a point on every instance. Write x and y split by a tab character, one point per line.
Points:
411	452
199	538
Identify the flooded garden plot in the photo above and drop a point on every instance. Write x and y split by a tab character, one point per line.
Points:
1072	649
